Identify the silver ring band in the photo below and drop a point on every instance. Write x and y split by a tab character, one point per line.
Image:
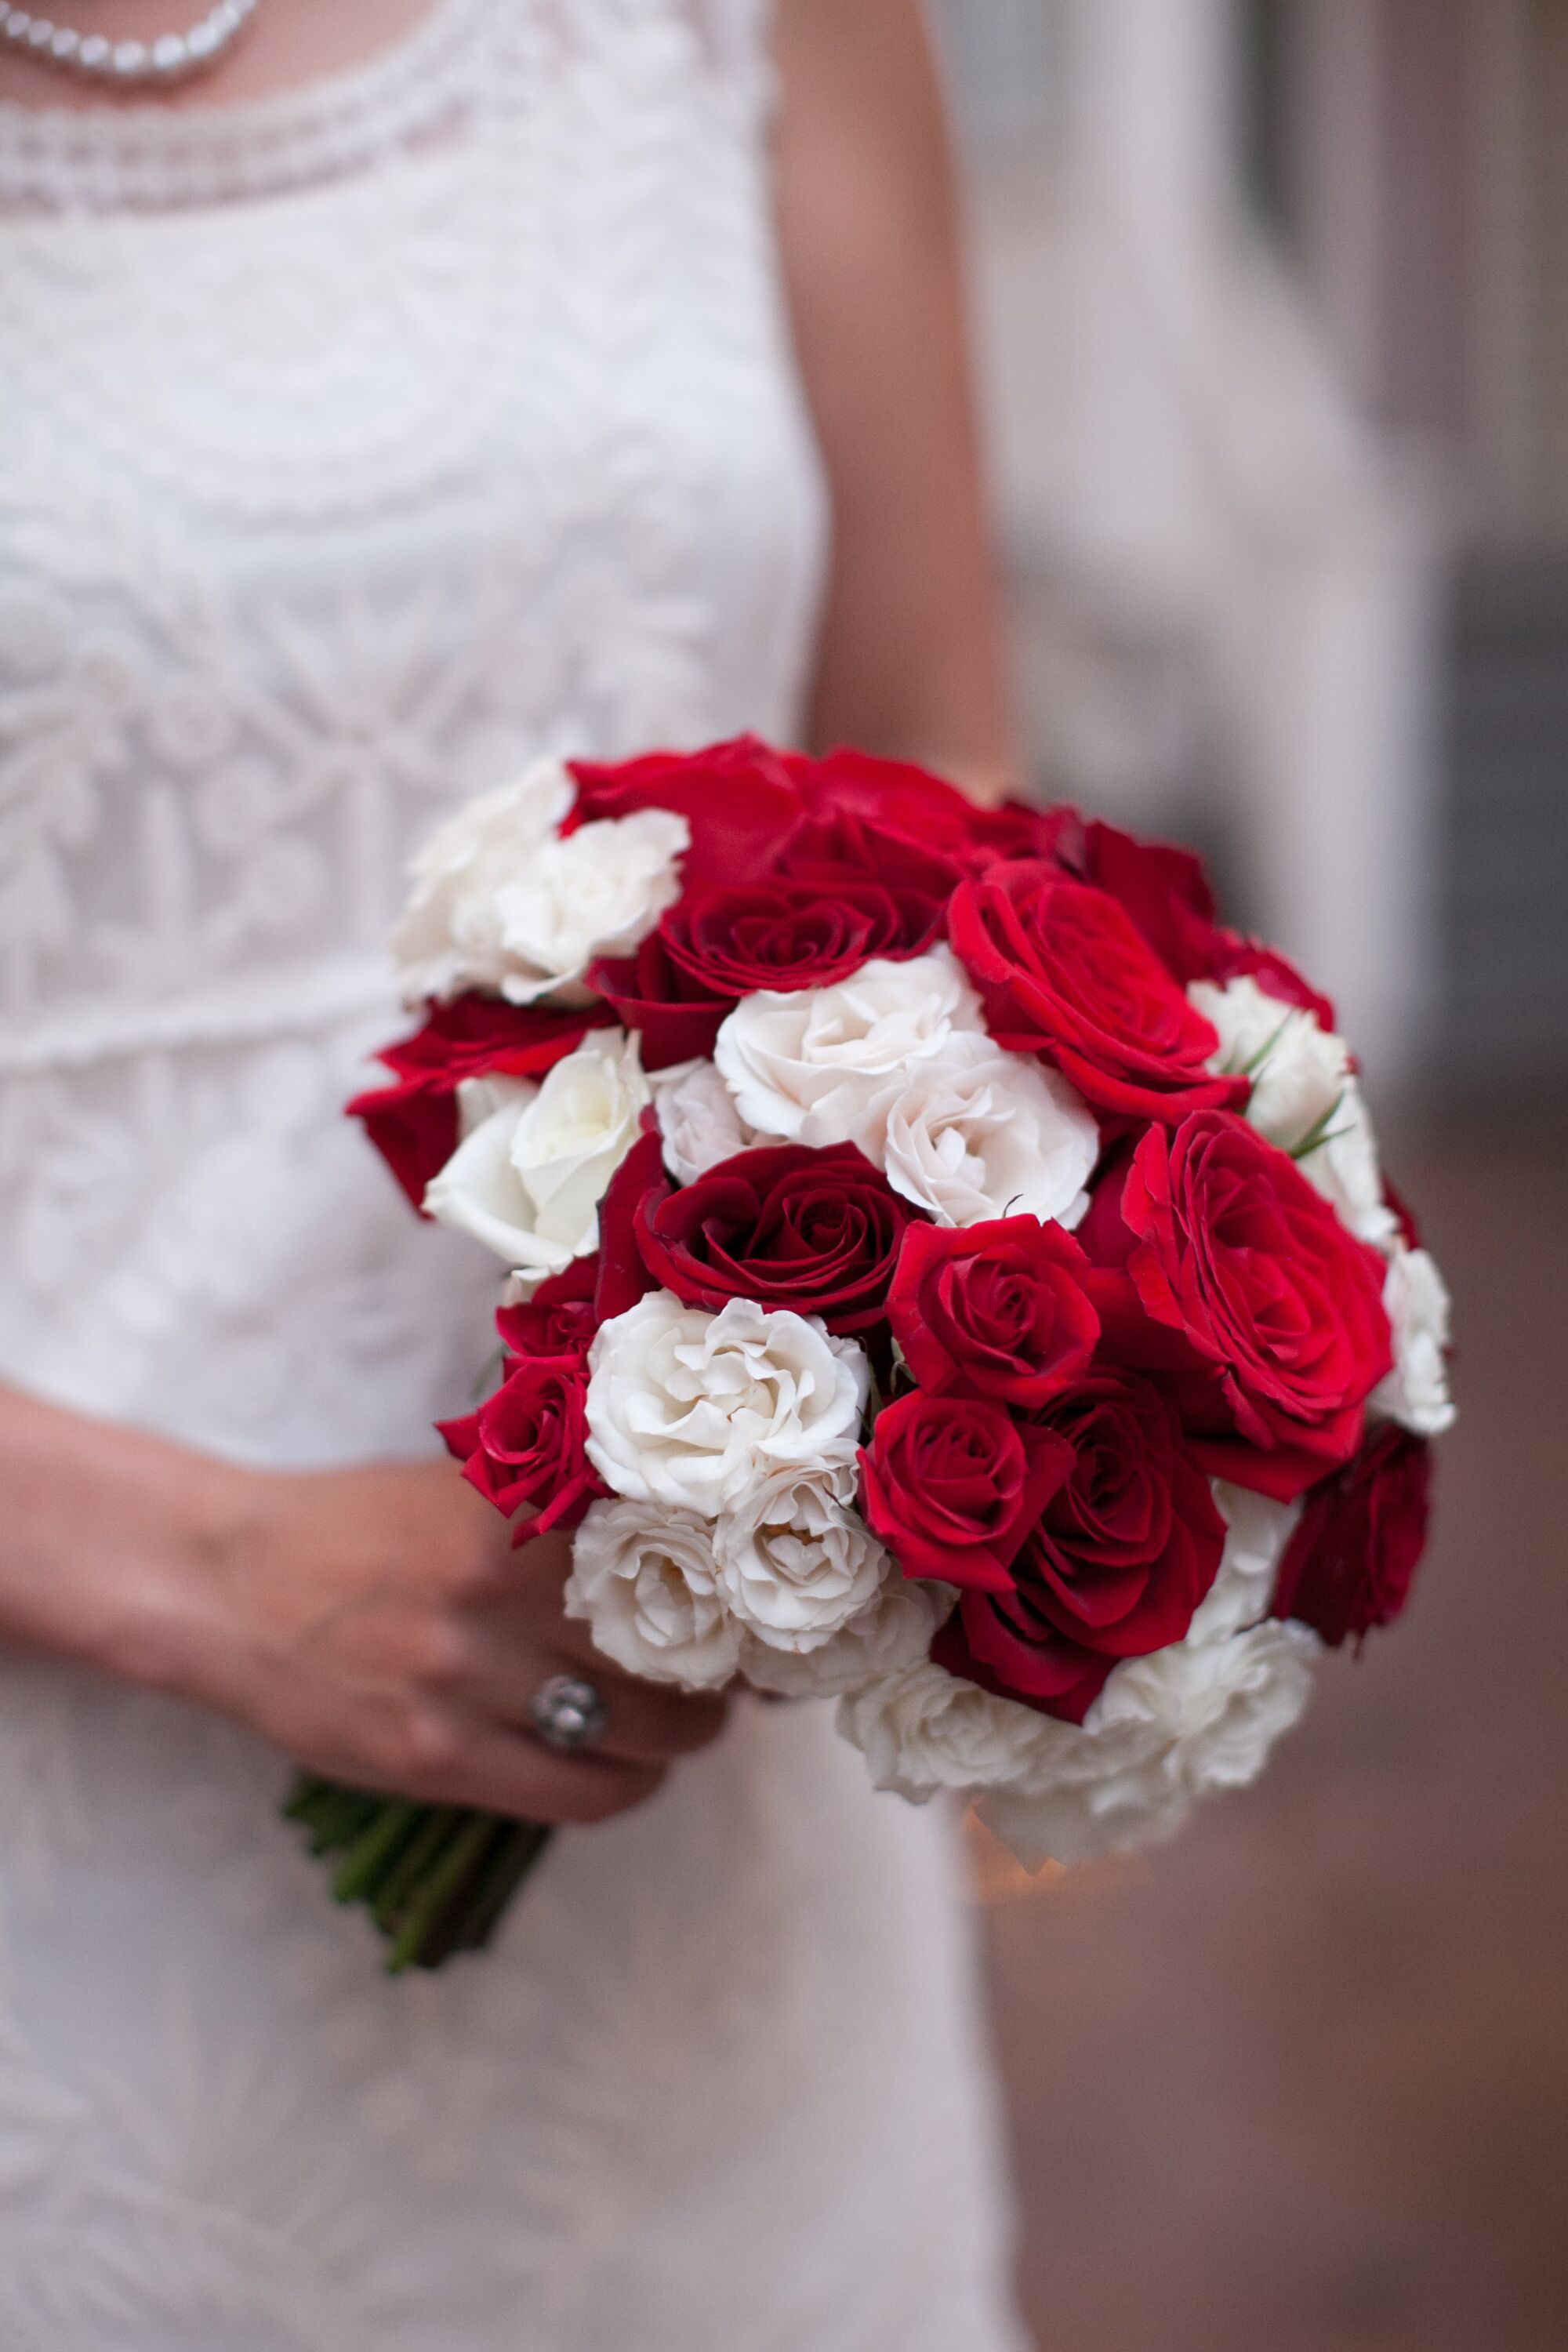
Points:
568	1714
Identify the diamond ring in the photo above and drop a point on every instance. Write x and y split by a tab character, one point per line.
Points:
568	1714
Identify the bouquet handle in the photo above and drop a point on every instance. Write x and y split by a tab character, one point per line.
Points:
436	1879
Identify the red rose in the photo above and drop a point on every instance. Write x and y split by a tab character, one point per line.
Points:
814	1233
997	1309
784	934
952	1487
923	808
559	1320
740	799
414	1124
623	1277
1162	889
1122	1554
473	1036
1063	973
1166	893
678	1018
834	844
1352	1560
526	1444
1040	1668
1233	1250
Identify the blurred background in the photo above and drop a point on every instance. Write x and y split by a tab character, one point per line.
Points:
1272	298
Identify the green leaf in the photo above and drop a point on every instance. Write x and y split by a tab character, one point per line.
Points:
1320	1131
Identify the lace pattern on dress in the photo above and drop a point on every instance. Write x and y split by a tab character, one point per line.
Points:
315	522
342	466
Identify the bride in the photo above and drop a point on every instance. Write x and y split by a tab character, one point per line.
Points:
406	387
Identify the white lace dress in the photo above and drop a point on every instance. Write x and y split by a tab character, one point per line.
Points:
354	446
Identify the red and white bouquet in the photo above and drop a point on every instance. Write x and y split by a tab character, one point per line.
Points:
948	1272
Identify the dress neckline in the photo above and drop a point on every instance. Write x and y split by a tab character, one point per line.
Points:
149	157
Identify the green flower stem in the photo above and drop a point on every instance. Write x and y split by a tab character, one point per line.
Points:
436	1879
420	1854
516	1851
339	1818
373	1851
414	1944
305	1795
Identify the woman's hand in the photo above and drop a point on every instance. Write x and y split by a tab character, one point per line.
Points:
373	1623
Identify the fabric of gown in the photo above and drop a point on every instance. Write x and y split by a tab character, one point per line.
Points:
356	445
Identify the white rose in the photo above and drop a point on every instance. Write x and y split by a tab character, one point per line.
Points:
1221	1705
1297	1068
1080	1821
599	892
478	1190
698	1119
448	936
1199	1716
823	1053
922	1729
976	1133
1302	1086
645	1582
893	1631
1258	1529
795	1561
695	1409
1344	1168
528	1179
1415	1391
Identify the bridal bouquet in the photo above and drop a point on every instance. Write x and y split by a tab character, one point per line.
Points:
948	1272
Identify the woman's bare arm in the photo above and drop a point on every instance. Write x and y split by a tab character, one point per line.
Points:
911	661
371	1623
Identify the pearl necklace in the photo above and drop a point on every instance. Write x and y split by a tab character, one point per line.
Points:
171	57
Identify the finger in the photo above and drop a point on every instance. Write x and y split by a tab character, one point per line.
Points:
505	1771
647	1724
686	1718
494	1667
572	1788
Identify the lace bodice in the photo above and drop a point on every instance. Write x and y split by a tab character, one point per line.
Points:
353	447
